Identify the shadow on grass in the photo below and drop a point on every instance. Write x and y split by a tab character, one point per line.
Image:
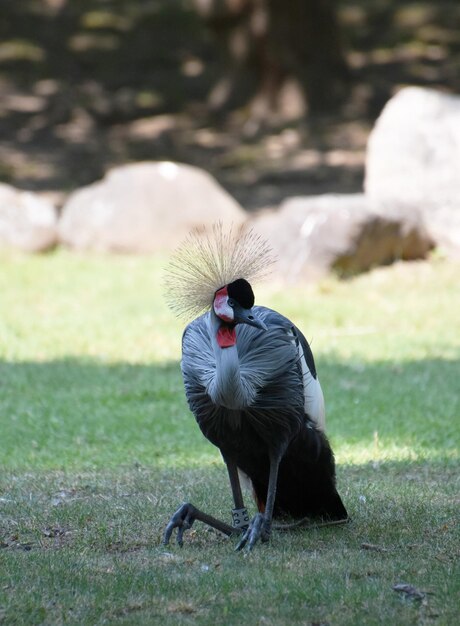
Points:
95	457
127	508
100	547
84	413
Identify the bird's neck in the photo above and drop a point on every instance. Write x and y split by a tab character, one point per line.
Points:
228	388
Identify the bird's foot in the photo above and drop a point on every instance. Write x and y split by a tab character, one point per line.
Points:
259	528
183	520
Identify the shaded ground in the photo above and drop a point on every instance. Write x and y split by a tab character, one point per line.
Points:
88	84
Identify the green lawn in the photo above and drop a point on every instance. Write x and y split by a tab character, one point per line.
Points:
97	449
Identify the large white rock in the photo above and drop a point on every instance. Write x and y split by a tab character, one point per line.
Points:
314	235
413	160
27	222
145	207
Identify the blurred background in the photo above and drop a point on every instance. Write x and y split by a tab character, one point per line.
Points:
333	129
273	98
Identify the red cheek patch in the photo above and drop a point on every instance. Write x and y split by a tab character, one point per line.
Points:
226	337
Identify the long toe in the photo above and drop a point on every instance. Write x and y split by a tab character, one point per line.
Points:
259	528
182	519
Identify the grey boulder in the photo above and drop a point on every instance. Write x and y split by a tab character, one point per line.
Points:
312	236
145	207
413	161
27	222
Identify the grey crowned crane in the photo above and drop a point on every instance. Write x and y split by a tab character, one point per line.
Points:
252	385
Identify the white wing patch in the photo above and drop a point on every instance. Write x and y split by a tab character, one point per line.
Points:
313	394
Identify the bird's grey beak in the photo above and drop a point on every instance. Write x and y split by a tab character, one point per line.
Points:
246	316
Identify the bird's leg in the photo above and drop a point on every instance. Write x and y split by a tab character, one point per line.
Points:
240	514
260	525
184	518
186	515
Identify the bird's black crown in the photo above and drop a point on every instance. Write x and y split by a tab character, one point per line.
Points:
241	291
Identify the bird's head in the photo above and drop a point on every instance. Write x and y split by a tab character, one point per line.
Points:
233	305
207	270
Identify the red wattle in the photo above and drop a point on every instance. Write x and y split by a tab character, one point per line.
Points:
226	337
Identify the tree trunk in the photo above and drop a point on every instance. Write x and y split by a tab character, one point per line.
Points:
267	43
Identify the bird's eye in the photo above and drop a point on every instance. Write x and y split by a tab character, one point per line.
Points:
231	302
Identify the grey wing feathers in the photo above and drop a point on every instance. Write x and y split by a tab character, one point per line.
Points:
313	394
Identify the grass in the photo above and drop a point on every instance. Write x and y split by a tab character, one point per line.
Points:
97	448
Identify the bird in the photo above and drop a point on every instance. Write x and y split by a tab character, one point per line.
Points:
251	382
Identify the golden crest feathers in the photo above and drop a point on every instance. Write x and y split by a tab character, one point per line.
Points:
207	261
